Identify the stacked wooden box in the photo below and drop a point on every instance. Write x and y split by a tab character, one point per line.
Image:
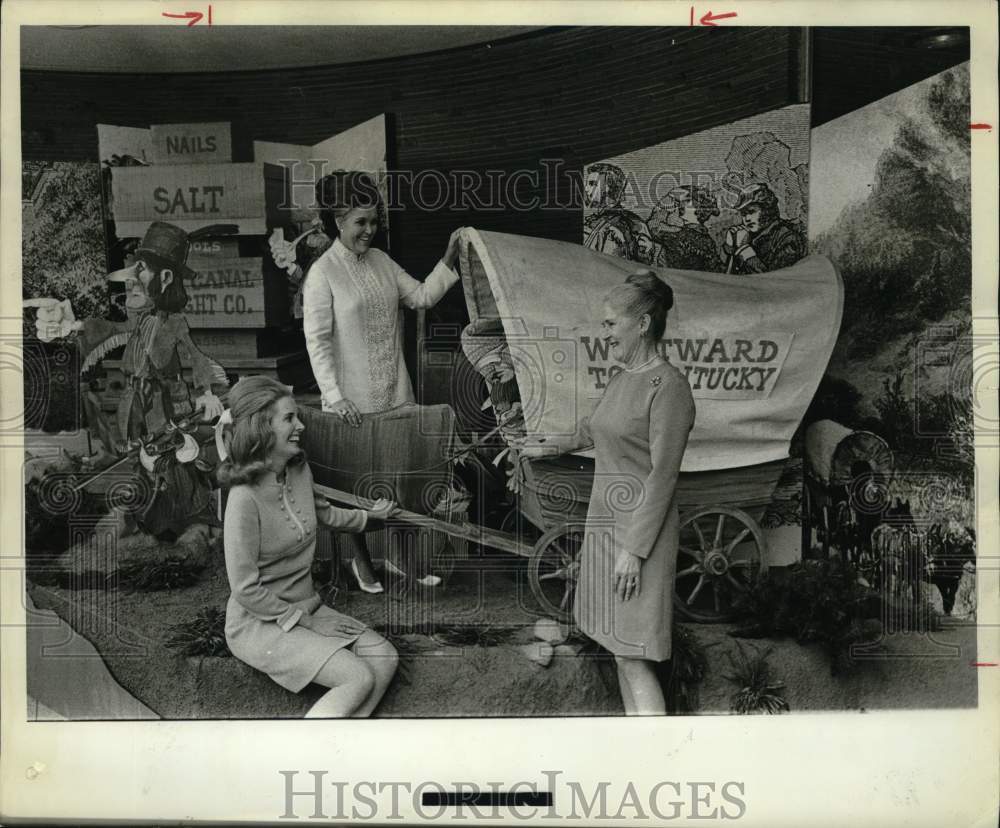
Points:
239	308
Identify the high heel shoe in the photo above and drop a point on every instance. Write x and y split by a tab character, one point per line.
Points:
372	589
392	569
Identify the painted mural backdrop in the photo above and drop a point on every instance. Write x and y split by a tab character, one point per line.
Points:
732	199
891	207
892	210
62	255
62	247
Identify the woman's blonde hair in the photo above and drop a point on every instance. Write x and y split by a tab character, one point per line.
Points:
251	438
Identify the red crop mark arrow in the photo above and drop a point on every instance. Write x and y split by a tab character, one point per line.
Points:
708	17
981	126
192	16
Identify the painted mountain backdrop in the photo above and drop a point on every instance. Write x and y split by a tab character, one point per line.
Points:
890	205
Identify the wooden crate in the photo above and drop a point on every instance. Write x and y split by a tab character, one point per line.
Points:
192	143
254	197
242	292
227	247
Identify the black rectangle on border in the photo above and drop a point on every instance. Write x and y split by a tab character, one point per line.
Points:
488	799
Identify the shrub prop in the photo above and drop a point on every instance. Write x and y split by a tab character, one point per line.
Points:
815	601
203	635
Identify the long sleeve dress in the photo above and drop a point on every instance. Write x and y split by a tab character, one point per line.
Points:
352	325
270	539
640	430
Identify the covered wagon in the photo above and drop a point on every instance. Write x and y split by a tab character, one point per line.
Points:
752	348
846	485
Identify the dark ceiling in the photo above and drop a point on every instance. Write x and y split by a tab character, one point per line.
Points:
170	49
853	66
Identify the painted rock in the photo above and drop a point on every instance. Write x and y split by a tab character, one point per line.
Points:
540	652
965	594
550	630
931	595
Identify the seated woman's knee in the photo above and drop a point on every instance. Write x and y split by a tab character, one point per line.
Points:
388	657
364	678
381	655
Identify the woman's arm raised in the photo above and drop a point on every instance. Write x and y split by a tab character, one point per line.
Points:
416	295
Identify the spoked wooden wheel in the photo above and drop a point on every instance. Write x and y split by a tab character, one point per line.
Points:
722	552
554	569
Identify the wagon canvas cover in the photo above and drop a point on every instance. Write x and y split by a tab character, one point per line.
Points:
753	348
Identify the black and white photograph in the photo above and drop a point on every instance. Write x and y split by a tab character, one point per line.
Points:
481	374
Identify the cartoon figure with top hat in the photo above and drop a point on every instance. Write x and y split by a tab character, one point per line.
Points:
157	421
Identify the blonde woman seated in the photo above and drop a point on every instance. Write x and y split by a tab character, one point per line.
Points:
275	621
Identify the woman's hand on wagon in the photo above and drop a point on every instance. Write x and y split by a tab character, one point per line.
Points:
382	509
450	257
347	411
333	627
627	568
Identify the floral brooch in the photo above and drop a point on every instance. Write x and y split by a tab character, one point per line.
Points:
656	380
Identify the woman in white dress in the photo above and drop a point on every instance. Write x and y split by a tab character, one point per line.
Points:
351	317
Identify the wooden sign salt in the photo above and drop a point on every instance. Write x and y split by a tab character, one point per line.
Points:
252	196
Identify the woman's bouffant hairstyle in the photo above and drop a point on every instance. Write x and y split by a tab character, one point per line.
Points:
342	191
250	437
644	292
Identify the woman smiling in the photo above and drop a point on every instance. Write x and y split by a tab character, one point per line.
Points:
624	597
351	303
351	317
275	621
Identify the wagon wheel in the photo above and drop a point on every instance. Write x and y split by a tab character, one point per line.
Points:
516	524
554	568
721	553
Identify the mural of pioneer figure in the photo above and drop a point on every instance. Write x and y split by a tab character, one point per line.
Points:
611	228
763	240
677	224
